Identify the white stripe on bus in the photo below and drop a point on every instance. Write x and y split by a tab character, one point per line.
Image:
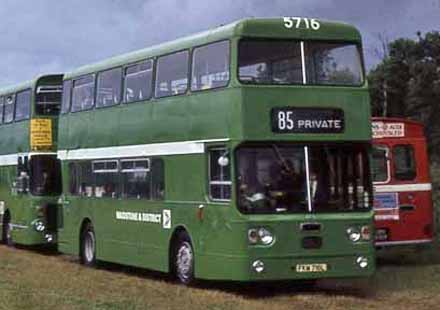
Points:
403	188
154	149
12	159
403	242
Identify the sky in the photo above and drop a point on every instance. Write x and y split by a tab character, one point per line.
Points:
42	36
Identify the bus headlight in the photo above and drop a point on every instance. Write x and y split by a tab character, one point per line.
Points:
353	234
265	236
260	236
39	225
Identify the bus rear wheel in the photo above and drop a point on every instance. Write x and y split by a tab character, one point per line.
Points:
183	259
88	246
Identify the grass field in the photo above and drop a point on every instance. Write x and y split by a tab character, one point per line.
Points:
30	279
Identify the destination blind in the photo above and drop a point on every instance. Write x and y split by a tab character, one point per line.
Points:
307	120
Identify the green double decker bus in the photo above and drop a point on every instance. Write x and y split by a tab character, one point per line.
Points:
240	153
30	173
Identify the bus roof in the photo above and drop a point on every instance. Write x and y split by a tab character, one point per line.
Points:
26	85
251	27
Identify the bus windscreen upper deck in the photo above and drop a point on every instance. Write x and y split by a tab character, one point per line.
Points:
288	62
48	99
273	178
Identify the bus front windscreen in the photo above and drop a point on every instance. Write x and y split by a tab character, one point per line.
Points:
284	62
273	179
48	100
45	175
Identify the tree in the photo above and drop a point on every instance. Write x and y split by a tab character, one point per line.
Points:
408	81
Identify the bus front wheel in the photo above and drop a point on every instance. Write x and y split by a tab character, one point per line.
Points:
183	260
88	246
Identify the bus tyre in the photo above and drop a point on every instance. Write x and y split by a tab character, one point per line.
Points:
88	246
183	260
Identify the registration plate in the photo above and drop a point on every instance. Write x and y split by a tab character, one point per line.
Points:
311	268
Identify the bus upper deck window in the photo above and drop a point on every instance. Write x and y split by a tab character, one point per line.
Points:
23	105
138	82
83	93
1	109
270	62
333	64
67	92
48	99
9	109
172	74
109	88
404	162
210	66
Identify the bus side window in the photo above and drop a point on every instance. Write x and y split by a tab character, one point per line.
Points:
73	179
138	82
172	74
105	174
109	88
67	92
210	66
219	174
83	93
136	178
404	162
1	109
9	109
23	105
158	179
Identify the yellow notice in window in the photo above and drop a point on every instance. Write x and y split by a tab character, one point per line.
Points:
41	133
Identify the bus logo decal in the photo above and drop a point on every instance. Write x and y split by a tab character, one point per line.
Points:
166	219
138	217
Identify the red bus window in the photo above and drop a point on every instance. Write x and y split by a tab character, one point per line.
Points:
404	162
380	164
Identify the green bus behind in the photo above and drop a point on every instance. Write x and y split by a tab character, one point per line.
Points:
240	153
30	175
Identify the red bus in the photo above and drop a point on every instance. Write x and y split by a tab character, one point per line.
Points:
403	190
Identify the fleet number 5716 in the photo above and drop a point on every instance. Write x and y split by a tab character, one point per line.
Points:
299	22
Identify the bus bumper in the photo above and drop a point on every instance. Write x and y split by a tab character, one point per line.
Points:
284	268
26	235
